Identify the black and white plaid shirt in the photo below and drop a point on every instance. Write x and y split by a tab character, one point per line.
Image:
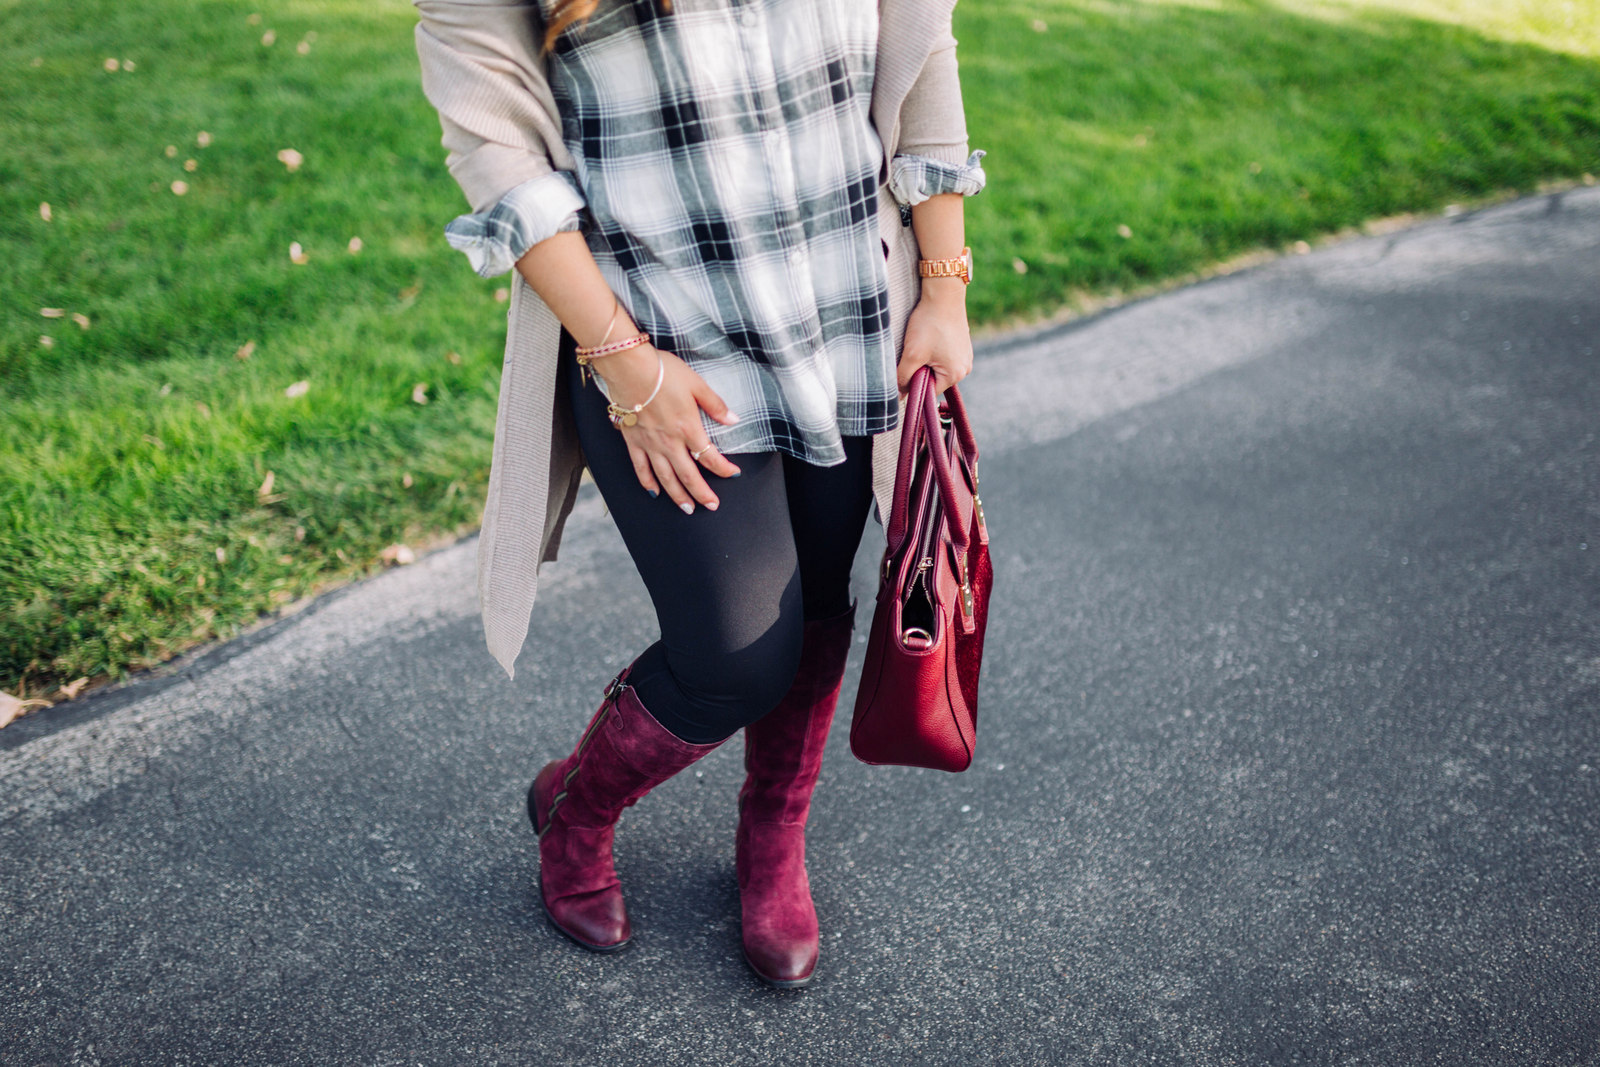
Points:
729	174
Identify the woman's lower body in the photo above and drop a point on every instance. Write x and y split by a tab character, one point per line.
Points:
753	602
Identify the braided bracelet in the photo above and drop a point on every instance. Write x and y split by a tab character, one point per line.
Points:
621	416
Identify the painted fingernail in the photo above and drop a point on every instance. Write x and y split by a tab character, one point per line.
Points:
736	474
712	506
653	493
688	509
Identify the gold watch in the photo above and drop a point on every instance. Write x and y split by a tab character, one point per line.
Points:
955	267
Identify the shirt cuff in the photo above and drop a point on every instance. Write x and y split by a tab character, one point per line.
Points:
912	179
538	208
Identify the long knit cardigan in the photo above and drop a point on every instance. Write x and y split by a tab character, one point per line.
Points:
482	68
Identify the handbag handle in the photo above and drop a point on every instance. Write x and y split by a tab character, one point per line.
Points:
922	421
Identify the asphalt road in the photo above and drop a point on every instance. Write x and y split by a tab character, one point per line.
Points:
1289	749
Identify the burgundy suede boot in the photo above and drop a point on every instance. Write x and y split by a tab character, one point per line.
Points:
782	758
575	804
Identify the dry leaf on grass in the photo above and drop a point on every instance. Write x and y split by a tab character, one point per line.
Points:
81	319
453	357
268	37
127	64
111	64
71	690
44	210
1020	266
290	158
246	350
203	139
354	246
46	341
300	388
398	555
253	19
266	485
297	254
502	295
419	393
53	313
190	165
222	555
180	188
1125	231
172	151
304	48
406	480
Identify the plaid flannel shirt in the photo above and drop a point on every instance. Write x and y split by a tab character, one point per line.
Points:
726	181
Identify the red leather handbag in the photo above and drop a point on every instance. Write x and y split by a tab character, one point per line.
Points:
918	701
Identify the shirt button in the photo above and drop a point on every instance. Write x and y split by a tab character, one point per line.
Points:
748	19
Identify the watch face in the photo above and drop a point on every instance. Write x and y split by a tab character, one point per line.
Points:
966	262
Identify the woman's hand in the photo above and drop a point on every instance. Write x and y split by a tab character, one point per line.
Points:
937	334
668	433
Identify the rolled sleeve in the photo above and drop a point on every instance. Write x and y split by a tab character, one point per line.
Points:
495	239
914	178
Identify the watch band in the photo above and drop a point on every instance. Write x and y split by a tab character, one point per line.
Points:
955	267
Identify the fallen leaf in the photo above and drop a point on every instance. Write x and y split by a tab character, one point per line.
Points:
203	139
53	313
410	292
304	48
200	406
419	393
398	555
246	350
166	389
127	64
1124	231
13	708
268	37
1140	140
222	554
1019	266
1255	167
298	254
38	61
1301	248
190	165
453	357
299	533
354	246
46	341
71	690
253	19
180	188
81	319
1040	25
300	388
111	64
171	151
502	295
290	158
406	481
44	210
266	484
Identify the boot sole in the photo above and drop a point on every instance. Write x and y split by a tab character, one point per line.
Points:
777	983
533	817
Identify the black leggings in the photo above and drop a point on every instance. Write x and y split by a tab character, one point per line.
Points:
734	587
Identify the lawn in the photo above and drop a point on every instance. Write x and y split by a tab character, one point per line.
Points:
223	429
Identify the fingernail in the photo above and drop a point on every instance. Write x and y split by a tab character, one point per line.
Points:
688	509
712	506
731	419
736	474
653	493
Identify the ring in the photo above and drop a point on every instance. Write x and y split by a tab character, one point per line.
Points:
702	452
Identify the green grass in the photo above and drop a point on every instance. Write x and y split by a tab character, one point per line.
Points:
130	520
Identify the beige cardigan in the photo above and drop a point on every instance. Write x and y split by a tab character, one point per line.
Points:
482	69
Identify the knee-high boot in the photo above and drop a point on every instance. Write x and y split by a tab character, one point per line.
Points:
575	804
783	756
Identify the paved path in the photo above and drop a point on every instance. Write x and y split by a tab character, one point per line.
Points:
1290	750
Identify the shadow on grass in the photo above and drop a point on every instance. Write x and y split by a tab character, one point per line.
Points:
1136	140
